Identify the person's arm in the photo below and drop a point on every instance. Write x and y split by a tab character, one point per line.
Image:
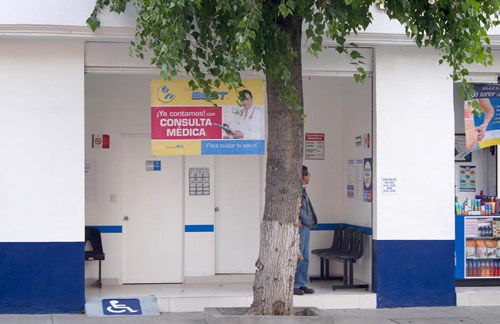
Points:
489	112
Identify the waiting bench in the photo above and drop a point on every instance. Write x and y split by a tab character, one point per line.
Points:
347	247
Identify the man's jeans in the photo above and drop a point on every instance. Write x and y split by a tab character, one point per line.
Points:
301	275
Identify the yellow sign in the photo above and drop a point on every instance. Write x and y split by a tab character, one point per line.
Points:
184	122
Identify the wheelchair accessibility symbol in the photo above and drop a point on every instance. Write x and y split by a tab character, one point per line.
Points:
130	306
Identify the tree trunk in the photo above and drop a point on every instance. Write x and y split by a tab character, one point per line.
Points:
279	241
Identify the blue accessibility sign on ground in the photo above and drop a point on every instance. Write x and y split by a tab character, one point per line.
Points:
104	307
129	306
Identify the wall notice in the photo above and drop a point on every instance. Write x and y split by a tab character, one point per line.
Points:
467	178
153	165
90	180
359	179
389	185
367	180
315	146
199	181
350	179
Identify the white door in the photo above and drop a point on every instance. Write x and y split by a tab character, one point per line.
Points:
153	219
238	192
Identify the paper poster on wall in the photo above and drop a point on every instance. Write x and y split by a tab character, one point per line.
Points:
359	179
467	178
350	179
367	180
184	122
389	185
153	165
199	181
314	146
461	153
90	180
483	130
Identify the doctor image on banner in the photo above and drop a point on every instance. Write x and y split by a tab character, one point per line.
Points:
245	122
483	130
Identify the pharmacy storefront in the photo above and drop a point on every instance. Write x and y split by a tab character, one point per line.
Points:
477	217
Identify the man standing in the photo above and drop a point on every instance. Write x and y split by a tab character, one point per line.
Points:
308	220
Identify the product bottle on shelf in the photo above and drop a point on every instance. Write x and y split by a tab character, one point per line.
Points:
476	271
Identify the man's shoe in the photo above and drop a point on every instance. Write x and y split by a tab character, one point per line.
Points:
297	291
306	290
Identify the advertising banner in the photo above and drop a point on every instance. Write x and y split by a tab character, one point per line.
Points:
483	130
184	122
467	178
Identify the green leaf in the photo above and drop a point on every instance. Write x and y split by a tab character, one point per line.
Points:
355	55
93	23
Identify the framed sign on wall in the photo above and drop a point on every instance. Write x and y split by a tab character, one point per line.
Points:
461	154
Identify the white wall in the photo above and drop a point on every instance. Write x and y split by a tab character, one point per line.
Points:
341	109
415	150
59	12
41	126
199	248
75	13
322	103
115	104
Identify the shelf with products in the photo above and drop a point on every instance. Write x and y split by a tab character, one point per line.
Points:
481	205
482	246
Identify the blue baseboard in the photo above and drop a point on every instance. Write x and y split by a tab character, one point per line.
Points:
413	273
42	277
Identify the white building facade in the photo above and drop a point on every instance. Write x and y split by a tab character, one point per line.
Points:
60	84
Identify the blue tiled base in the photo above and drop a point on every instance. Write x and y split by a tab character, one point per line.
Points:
42	277
412	273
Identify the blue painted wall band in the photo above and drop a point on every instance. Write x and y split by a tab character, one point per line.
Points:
333	226
460	247
108	228
199	228
210	228
319	227
414	273
42	277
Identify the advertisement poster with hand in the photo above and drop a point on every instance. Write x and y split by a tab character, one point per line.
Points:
483	130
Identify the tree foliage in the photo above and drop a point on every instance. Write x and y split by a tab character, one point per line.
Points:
214	41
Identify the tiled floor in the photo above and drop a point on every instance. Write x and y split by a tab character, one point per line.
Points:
194	297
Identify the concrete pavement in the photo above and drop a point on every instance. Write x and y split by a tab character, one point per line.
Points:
413	315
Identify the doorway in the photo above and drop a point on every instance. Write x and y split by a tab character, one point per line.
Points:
238	191
153	214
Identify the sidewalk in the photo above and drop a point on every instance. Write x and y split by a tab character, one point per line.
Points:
417	315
